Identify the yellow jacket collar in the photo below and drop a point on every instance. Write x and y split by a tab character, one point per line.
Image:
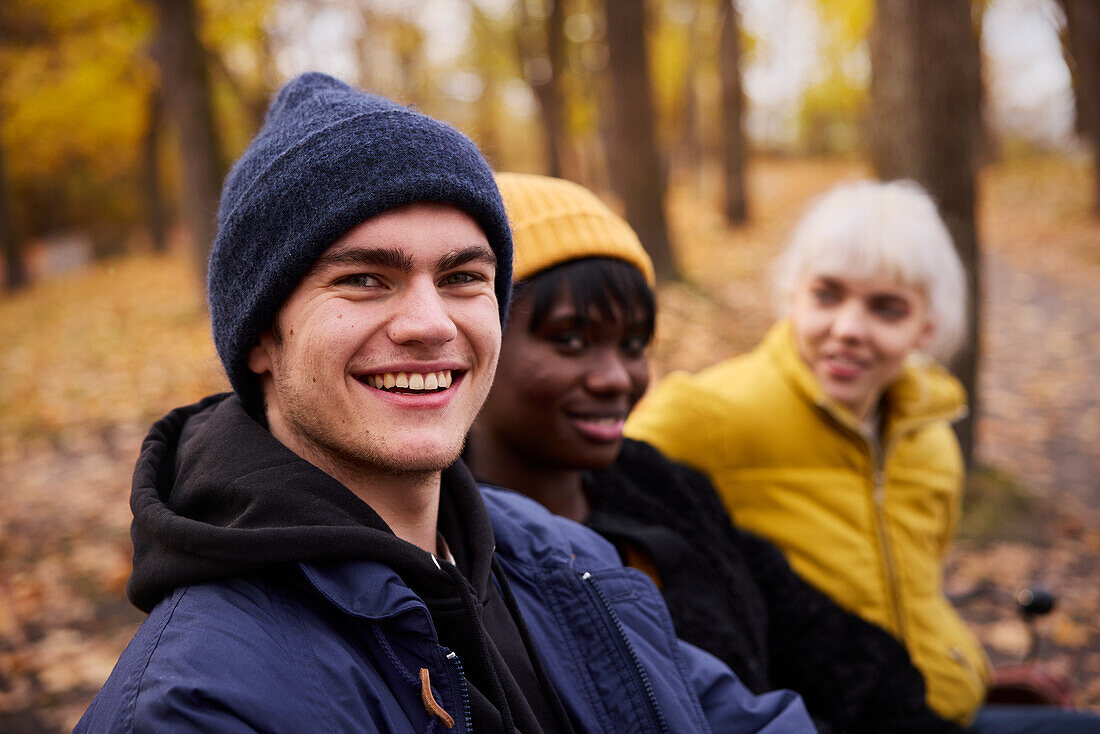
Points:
924	391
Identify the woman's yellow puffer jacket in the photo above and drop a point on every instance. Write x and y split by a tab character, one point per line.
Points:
867	526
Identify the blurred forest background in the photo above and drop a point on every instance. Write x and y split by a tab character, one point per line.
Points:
708	123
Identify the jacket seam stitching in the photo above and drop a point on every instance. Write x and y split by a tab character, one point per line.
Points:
296	615
593	697
149	659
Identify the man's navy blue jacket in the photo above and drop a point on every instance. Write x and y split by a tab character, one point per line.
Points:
338	644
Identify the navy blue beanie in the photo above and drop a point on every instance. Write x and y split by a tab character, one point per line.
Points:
328	158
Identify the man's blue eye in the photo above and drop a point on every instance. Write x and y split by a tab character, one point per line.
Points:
362	280
459	279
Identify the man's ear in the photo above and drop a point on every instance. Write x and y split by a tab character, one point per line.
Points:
260	357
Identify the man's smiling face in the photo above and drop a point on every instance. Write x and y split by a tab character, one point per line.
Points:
382	355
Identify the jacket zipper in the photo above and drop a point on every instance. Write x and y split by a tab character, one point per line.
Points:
463	691
878	499
640	675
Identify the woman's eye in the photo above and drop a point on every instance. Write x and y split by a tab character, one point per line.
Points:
825	296
891	311
635	346
570	342
889	308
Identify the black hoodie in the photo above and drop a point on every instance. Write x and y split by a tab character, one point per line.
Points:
216	496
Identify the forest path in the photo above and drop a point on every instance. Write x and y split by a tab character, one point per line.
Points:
1040	427
1040	378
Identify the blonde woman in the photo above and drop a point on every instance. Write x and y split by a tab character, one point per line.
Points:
833	437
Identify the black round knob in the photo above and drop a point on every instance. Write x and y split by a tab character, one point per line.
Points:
1034	601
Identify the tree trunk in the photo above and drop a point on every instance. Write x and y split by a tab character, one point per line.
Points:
543	70
252	101
733	110
15	267
1082	44
691	145
925	92
689	149
185	82
150	173
364	50
634	163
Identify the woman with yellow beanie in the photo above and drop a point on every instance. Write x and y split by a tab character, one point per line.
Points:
572	366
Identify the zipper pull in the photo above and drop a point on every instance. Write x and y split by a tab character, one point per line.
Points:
430	703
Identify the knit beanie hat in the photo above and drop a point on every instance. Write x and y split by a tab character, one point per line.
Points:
328	158
554	221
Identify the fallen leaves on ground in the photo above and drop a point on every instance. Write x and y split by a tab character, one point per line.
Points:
90	359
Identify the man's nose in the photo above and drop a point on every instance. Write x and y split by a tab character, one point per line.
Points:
421	316
607	374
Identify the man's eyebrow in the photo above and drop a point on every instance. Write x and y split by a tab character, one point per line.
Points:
473	253
379	257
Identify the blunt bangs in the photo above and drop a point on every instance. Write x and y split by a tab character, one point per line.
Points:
872	229
604	285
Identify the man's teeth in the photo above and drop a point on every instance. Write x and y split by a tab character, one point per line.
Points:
410	380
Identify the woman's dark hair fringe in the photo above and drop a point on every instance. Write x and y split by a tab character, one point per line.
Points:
606	284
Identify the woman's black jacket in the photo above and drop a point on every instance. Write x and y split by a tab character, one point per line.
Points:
733	594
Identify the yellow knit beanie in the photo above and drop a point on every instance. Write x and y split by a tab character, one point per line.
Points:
554	221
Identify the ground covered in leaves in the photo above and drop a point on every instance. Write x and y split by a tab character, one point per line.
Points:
91	359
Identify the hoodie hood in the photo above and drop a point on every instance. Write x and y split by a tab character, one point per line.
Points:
216	496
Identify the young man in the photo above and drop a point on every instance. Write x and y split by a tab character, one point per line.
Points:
313	555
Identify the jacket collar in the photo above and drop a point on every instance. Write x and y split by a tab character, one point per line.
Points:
526	531
368	589
376	589
924	391
216	496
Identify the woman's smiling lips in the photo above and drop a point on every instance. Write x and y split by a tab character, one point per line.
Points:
843	367
605	428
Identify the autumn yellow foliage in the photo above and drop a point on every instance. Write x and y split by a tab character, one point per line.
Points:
90	359
120	343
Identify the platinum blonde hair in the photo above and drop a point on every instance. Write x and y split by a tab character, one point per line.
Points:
871	229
